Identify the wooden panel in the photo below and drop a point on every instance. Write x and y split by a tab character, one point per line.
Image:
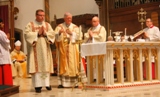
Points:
79	19
127	17
154	16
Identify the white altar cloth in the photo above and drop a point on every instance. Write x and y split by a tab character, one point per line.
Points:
92	49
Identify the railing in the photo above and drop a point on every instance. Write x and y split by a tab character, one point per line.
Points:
136	63
126	3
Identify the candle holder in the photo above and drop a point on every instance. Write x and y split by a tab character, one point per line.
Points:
80	74
126	38
117	36
142	16
131	37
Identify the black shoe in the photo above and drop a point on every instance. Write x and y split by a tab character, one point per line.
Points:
38	89
76	87
60	86
49	88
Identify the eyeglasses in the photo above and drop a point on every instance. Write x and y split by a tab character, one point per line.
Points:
148	21
40	15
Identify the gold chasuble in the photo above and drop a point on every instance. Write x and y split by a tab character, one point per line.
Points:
67	54
68	50
21	68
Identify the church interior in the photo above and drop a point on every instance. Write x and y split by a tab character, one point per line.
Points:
123	68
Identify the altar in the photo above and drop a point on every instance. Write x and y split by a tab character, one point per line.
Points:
122	64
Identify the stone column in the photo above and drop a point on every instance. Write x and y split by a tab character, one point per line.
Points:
103	13
12	38
100	3
47	17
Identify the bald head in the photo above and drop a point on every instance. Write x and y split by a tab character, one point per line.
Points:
68	18
95	21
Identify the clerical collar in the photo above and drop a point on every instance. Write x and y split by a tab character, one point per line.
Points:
67	25
151	26
38	22
97	26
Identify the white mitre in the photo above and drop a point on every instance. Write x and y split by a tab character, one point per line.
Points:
17	43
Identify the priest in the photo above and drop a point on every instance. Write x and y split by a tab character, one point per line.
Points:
67	51
151	33
39	35
96	33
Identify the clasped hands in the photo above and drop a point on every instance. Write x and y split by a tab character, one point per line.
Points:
41	31
21	61
67	31
90	34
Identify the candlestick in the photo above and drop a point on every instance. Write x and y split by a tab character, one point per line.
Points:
80	28
125	31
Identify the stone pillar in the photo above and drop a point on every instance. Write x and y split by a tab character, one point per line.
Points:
100	3
12	38
103	13
47	17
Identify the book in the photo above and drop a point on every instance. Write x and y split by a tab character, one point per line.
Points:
138	34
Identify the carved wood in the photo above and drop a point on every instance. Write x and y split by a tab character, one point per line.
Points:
85	20
127	17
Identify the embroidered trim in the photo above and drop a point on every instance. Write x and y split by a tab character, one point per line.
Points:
95	32
33	29
34	50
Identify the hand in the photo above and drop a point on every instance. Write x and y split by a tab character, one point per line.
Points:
90	34
43	31
20	61
145	35
68	31
61	31
40	32
8	35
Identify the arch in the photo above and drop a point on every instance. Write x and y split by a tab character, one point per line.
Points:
18	35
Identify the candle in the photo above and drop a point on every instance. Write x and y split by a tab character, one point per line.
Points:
125	31
80	28
110	33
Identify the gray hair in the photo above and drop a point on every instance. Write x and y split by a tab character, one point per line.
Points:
67	14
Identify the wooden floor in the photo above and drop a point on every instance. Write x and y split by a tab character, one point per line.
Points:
6	91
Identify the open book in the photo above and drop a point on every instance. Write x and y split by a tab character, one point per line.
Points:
138	34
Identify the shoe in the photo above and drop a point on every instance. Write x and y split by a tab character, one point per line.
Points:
76	87
49	88
38	89
60	86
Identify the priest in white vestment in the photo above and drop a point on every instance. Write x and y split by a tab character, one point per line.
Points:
67	51
97	33
39	35
151	33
